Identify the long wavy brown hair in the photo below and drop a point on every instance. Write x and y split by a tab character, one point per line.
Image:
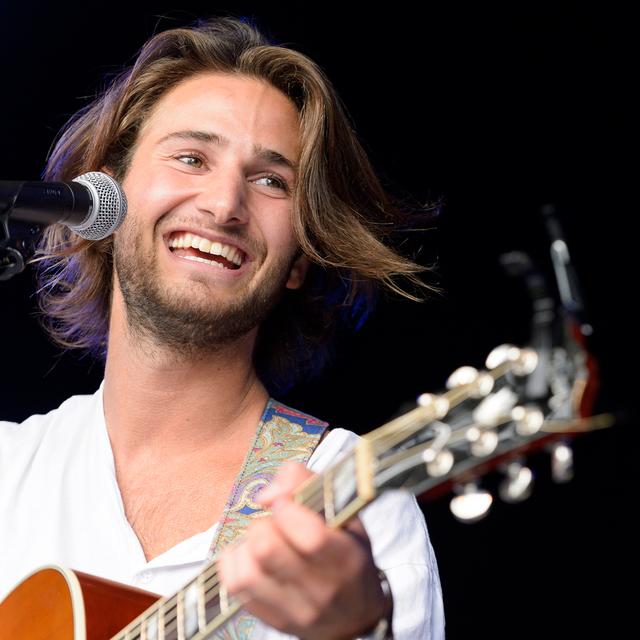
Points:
343	218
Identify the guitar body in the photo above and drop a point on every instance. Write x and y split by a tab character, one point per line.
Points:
55	603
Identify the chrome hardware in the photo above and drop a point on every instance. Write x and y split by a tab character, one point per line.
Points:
517	484
483	442
561	462
438	404
529	420
471	503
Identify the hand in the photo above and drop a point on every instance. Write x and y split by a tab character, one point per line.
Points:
298	575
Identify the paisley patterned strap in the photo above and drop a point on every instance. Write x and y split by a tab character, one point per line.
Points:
283	435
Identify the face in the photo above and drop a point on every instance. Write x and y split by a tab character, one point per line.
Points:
207	247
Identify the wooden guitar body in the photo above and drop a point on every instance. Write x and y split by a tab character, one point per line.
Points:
55	603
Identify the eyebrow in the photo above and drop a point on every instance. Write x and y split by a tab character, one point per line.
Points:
269	155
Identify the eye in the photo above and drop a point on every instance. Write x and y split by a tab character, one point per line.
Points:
276	181
191	159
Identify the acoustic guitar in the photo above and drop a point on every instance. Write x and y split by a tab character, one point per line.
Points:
524	400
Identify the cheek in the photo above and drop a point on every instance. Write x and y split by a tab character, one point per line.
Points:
151	190
279	230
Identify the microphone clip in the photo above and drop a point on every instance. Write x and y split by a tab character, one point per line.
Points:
14	249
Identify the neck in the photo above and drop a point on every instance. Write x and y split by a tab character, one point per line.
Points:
158	400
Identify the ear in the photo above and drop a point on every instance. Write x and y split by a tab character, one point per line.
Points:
298	272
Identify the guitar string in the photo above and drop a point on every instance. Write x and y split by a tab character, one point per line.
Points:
311	495
212	591
455	437
315	500
385	437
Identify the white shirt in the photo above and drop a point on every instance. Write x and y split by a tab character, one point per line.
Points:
60	504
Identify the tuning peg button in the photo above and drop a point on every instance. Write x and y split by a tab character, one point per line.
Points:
462	376
518	483
438	463
438	404
561	462
523	361
483	442
471	503
528	420
501	354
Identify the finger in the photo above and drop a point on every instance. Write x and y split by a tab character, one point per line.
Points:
289	477
278	603
331	550
271	551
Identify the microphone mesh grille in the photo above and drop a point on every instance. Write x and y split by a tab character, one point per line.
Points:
109	206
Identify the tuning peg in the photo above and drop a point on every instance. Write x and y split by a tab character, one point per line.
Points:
481	383
517	484
438	463
523	361
528	420
492	410
471	503
483	442
438	404
561	462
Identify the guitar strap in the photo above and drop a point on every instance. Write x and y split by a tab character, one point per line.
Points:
283	435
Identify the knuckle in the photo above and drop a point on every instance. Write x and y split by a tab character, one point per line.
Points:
307	617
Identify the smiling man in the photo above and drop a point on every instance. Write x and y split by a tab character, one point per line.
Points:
251	204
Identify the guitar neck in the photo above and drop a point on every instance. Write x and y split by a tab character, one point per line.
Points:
203	606
453	437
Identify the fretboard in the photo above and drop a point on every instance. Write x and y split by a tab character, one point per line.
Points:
202	608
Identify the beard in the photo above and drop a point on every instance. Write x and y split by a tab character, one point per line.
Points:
192	320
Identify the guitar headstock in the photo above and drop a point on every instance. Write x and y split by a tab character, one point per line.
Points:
523	401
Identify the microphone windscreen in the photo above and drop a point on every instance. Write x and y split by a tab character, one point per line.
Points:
109	206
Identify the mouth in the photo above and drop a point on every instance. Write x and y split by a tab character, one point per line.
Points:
191	246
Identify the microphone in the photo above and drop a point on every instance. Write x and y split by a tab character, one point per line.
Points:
93	205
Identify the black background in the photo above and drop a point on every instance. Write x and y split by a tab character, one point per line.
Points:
496	111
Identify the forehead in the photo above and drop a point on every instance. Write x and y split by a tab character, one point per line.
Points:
235	106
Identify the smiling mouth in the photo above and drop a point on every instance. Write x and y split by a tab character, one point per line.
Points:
194	247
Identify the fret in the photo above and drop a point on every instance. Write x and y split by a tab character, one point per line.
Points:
169	626
190	621
161	622
344	485
201	602
224	599
150	626
329	506
349	511
364	470
211	600
217	623
180	615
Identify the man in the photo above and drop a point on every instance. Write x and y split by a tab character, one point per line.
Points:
250	205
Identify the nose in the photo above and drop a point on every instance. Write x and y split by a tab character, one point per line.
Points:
222	195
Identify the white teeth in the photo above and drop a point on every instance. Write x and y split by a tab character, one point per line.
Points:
182	240
203	260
